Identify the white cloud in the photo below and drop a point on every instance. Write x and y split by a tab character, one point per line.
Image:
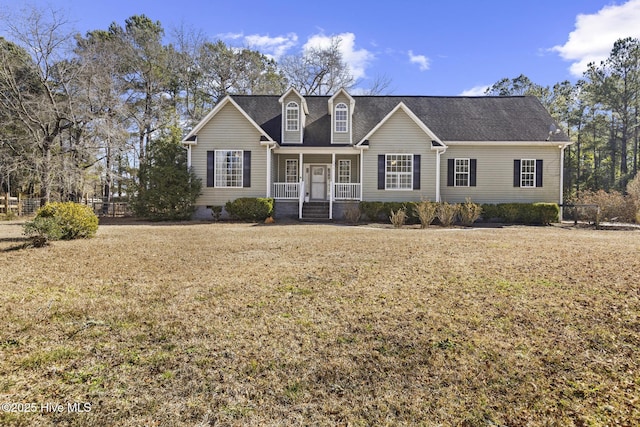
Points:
421	60
594	35
357	59
275	47
475	91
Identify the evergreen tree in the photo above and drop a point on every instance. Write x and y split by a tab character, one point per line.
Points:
167	189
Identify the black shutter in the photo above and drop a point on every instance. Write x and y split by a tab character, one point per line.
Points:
246	169
516	173
538	173
210	168
416	171
473	166
451	165
381	171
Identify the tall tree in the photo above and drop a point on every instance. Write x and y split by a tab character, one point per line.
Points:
36	84
318	71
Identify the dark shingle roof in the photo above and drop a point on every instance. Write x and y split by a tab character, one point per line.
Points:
512	118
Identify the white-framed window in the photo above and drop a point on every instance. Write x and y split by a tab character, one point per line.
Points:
341	117
528	173
291	170
228	167
344	171
292	117
399	171
462	171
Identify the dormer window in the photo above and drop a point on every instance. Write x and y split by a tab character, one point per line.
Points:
341	117
292	117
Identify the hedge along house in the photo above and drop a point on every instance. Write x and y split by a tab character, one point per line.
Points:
316	155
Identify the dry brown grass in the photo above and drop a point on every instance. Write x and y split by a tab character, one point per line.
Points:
234	325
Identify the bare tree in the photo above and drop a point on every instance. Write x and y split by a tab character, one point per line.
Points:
318	71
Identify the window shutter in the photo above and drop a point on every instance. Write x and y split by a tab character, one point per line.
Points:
539	173
516	173
246	169
451	165
210	168
416	171
381	171
473	166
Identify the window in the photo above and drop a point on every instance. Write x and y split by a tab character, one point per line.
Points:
399	172
344	171
462	172
527	173
291	170
292	116
341	115
228	168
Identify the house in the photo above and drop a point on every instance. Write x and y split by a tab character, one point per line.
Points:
320	154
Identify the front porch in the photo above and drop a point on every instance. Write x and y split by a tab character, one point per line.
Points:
309	179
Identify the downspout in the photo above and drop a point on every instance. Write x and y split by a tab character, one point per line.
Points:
188	156
438	154
562	148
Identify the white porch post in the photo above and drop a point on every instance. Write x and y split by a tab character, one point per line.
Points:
332	183
188	156
269	171
301	189
361	172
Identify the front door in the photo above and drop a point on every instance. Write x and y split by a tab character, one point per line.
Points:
318	182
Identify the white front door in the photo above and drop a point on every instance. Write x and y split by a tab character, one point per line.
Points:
318	182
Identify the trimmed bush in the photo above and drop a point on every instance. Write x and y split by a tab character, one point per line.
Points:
250	208
352	214
371	210
42	230
398	217
75	220
425	211
522	213
469	212
447	213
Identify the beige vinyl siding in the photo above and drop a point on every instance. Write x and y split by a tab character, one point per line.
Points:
399	135
494	177
229	130
341	137
292	137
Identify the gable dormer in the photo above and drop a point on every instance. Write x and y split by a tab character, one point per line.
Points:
341	106
294	113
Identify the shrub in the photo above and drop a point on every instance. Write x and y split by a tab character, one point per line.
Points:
425	211
352	214
523	213
167	188
398	217
613	205
75	220
469	212
371	210
42	230
250	208
447	213
216	212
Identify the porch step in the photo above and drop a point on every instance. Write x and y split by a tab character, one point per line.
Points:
315	211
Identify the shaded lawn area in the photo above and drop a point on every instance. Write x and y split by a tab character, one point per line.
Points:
237	324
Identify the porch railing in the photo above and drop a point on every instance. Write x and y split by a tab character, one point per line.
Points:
347	191
286	190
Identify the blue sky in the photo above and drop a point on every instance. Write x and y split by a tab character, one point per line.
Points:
429	47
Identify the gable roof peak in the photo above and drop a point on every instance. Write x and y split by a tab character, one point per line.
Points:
343	91
302	100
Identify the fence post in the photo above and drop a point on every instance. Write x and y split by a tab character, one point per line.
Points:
19	204
6	204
